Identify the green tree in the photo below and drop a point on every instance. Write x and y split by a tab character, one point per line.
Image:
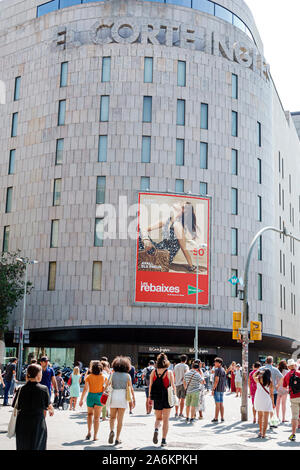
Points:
12	285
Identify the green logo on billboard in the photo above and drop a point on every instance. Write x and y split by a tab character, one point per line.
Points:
193	290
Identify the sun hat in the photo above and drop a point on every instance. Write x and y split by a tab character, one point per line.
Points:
291	362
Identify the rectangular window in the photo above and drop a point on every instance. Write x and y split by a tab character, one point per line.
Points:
223	13
234	85
234	201
104	108
180	113
259	286
54	234
259	249
57	192
204	116
14	125
100	190
203	188
204	5
61	113
147	109
234	162
97	275
64	74
181	73
9	195
102	148
179	186
234	241
52	275
259	134
179	152
5	239
146	149
17	88
203	155
148	70
145	183
234	123
59	151
234	287
99	232
259	209
259	178
260	318
11	166
106	64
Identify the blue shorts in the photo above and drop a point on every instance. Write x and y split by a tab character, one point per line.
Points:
218	396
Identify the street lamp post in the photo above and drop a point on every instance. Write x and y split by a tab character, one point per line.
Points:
197	309
21	339
244	332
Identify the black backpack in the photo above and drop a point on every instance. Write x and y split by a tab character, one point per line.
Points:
295	383
157	389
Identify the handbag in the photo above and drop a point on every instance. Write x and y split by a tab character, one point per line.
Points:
172	397
128	393
154	260
70	381
106	396
11	431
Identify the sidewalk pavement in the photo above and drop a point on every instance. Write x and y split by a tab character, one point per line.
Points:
67	430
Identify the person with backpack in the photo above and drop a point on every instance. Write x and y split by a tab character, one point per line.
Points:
292	382
160	380
264	399
146	373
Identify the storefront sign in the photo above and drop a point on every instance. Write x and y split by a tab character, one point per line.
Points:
163	33
173	239
175	350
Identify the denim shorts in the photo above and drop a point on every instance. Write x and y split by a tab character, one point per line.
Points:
218	396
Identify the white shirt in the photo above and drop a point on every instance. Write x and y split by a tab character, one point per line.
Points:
179	371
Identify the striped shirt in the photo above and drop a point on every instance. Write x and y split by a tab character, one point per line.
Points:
193	381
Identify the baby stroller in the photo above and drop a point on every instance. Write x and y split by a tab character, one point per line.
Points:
63	399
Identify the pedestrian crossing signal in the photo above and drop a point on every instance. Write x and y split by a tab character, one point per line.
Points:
236	325
255	330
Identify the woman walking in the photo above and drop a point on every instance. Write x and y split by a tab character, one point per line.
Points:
75	388
122	389
238	380
253	387
94	384
282	392
232	368
264	399
160	379
107	373
33	404
192	384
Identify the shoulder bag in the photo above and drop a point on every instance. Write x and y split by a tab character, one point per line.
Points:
11	431
106	396
172	397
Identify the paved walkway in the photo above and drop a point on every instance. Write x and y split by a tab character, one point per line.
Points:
67	429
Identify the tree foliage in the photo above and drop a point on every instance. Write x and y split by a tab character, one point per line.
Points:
12	285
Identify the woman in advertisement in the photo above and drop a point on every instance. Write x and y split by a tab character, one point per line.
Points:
177	228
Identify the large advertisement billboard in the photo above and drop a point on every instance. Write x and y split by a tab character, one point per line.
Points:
172	247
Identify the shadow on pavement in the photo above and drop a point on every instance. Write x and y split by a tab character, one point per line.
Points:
77	443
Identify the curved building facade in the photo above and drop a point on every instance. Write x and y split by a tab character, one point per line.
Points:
107	98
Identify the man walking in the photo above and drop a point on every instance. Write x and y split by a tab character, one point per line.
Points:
10	375
179	372
292	382
146	377
219	389
48	377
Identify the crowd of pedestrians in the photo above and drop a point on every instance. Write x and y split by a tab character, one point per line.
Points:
109	390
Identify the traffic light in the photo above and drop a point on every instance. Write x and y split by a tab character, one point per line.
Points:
236	325
255	330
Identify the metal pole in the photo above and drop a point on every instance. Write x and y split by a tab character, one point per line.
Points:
23	326
197	304
245	336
